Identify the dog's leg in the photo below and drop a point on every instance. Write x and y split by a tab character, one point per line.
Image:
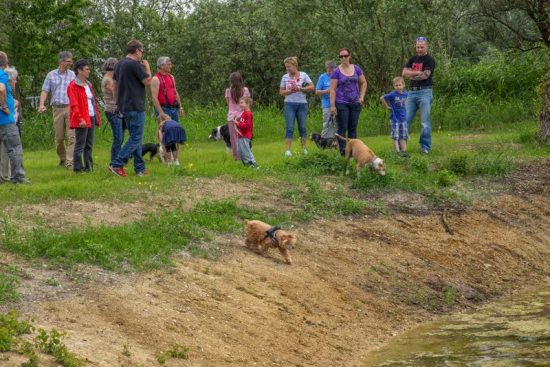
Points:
286	255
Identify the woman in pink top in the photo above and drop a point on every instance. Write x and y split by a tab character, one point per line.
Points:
235	91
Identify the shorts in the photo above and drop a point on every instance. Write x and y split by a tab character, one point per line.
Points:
399	130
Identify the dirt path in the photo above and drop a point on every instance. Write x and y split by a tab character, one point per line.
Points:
355	283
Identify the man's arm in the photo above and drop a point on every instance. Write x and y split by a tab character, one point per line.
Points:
155	86
146	81
181	111
410	73
3	102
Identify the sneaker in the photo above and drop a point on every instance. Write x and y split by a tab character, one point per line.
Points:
119	171
425	151
142	173
305	151
176	163
288	153
404	154
21	181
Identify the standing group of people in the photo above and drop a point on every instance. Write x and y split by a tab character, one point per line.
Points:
76	111
342	89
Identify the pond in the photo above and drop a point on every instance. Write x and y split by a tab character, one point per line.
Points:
514	332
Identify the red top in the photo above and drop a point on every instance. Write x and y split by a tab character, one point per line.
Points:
78	105
167	90
245	124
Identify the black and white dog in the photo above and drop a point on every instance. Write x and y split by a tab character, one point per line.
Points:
153	150
324	143
219	133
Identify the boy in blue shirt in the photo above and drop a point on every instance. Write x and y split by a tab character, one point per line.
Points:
322	89
395	101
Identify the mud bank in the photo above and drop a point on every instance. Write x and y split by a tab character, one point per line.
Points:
356	282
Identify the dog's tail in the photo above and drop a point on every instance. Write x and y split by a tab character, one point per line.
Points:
341	137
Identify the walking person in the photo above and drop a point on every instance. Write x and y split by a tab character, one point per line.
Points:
56	84
419	70
233	95
132	74
323	89
164	93
108	86
84	116
348	86
9	134
294	86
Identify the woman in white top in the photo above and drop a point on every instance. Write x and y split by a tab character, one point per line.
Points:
294	86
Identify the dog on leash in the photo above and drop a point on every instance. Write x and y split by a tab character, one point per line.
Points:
151	149
363	156
323	143
219	133
260	236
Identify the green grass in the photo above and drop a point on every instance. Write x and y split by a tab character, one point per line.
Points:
314	186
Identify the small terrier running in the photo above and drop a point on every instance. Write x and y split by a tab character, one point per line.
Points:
260	236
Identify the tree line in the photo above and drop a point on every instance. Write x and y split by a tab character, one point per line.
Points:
208	39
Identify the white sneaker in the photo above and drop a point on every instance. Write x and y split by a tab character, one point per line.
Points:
176	163
288	153
305	151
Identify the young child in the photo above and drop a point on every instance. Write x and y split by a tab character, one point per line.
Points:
395	101
245	127
171	134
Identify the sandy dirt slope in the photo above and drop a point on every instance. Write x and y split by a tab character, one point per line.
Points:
355	283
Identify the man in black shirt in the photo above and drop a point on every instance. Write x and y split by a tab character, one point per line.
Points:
419	69
132	75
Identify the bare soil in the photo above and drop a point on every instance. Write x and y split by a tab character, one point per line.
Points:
355	283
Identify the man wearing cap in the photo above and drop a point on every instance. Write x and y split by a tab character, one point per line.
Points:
419	69
323	89
164	92
56	83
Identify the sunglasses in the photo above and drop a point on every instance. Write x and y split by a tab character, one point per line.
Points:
342	56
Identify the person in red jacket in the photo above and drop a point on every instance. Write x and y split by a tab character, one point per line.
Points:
83	116
245	129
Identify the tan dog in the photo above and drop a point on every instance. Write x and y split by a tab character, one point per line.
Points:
261	236
362	155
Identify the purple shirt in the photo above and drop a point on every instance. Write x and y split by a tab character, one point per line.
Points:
347	90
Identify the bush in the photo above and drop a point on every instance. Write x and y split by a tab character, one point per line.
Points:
445	178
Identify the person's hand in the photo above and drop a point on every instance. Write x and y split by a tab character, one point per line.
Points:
164	116
361	101
333	110
82	124
388	107
41	108
145	64
6	110
181	112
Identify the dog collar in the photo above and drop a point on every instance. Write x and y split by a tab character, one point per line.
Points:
270	233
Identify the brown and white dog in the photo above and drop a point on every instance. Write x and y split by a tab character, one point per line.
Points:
362	155
260	236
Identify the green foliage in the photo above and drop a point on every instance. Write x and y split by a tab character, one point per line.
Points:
445	178
10	329
176	351
9	282
145	244
459	164
50	343
320	162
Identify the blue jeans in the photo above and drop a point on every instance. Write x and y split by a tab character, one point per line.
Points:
118	133
172	112
421	100
348	119
135	122
295	111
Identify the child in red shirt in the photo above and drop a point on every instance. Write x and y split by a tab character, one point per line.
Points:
245	127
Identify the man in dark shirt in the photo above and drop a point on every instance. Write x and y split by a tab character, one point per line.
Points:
419	69
132	75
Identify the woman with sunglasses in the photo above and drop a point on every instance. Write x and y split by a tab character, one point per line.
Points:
348	86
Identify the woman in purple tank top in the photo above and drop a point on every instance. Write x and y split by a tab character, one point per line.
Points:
347	95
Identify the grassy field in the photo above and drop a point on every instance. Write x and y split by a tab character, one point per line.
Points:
443	177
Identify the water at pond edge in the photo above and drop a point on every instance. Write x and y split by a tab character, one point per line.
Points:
514	332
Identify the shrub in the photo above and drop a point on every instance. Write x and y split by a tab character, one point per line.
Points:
445	178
